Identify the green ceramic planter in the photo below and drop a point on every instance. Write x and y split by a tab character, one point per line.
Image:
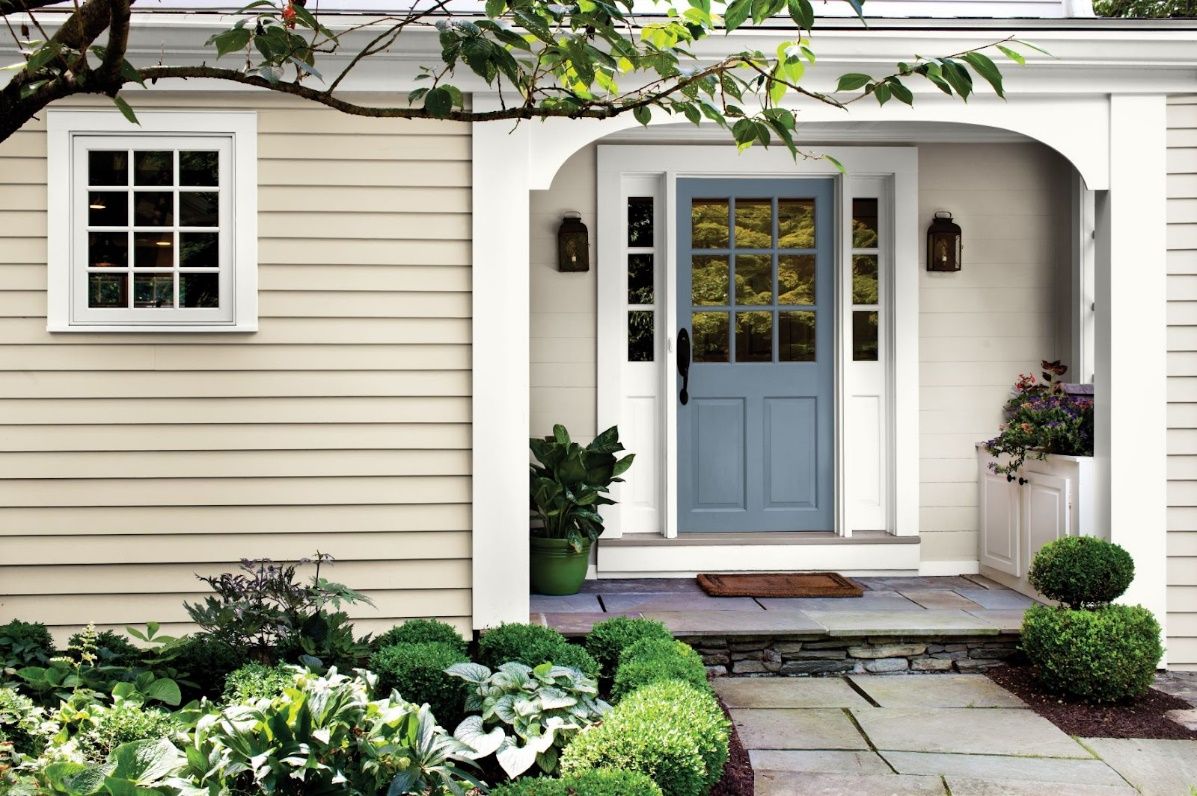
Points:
556	568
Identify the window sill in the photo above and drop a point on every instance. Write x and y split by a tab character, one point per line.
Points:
144	328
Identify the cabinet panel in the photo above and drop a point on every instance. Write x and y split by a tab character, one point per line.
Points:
1000	547
1045	510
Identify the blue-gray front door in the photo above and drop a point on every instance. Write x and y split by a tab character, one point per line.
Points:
756	301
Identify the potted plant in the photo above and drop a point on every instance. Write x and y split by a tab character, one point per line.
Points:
568	484
1042	418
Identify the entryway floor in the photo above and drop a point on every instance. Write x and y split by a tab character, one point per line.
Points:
967	605
933	734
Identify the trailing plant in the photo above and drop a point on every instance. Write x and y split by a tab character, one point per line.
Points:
1041	419
415	631
418	673
1082	571
569	483
23	644
651	660
531	645
607	639
526	715
599	782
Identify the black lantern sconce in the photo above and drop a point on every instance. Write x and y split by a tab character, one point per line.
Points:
573	244
944	245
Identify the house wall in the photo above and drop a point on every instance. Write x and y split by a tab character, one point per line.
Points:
129	462
1182	382
979	328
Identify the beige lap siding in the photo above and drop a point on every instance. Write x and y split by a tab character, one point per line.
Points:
1182	382
128	463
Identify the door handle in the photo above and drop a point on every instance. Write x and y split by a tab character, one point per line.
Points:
683	365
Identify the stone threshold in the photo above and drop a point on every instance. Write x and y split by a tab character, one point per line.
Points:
757	539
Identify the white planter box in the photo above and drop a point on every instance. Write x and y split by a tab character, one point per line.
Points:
1047	500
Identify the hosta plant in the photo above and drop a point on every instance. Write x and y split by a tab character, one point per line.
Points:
525	716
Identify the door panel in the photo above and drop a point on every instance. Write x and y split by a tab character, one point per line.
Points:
756	296
1000	522
1045	507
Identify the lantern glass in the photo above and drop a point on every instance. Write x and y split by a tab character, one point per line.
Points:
944	244
573	245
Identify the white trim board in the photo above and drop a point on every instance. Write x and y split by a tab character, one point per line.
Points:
642	561
965	566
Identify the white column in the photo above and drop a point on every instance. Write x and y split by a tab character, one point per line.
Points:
501	424
1131	361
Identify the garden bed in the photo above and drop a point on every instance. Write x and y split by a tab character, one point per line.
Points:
738	777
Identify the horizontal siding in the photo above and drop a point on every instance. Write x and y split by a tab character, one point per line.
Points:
1182	382
131	463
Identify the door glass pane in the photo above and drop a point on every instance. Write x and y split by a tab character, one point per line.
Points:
754	337
199	290
640	279
754	279
107	290
199	249
640	336
199	209
864	279
796	223
153	209
640	221
198	168
708	222
796	279
153	168
153	290
709	333
107	250
864	336
796	336
754	224
107	208
864	223
708	281
107	168
153	250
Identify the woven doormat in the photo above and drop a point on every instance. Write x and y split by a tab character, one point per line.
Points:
792	584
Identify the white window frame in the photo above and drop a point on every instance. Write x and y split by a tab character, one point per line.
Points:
67	136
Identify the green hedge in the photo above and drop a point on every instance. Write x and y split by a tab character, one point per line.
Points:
672	732
532	645
1108	654
607	639
416	631
599	782
652	660
417	672
1081	571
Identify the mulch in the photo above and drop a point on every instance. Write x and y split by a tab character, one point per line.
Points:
737	776
1144	718
782	584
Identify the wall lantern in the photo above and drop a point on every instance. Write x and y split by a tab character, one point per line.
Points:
573	244
943	243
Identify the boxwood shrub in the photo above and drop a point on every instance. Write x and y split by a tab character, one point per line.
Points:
672	732
417	672
610	637
651	660
1082	571
416	631
254	681
599	782
532	645
1107	654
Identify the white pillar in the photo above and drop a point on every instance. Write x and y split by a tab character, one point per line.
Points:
501	424
1131	356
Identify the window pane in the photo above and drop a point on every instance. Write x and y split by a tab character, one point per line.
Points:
107	168
153	209
199	290
864	336
107	290
640	221
153	290
107	250
796	336
709	333
153	168
640	279
199	209
754	337
708	220
640	336
754	279
108	208
796	223
864	223
796	279
153	250
198	168
864	279
708	281
754	224
199	249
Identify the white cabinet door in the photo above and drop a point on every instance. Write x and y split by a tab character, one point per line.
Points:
1000	523
1046	510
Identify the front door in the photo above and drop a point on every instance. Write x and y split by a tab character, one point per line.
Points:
756	304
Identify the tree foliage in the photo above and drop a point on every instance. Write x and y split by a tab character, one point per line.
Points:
1145	9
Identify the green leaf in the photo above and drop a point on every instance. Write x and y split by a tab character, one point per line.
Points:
230	41
125	109
642	114
736	14
164	690
958	78
146	762
838	166
987	69
802	13
852	81
882	92
900	92
1013	55
438	102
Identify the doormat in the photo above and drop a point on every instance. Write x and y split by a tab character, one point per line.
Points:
792	584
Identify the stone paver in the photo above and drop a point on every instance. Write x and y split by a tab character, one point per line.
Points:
571	603
642	586
937	691
786	783
964	786
1159	768
817	761
822	692
1185	718
899	623
1008	620
983	582
939	598
1178	684
1088	773
966	731
869	601
677	602
901	583
790	728
578	623
996	599
738	623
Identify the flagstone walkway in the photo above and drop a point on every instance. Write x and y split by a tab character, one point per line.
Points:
958	734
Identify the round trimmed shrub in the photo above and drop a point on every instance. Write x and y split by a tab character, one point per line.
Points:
529	644
575	657
1108	654
1081	571
610	637
25	644
651	660
672	732
599	782
416	631
417	672
254	681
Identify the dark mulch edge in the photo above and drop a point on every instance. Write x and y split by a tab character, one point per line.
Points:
738	777
1144	718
